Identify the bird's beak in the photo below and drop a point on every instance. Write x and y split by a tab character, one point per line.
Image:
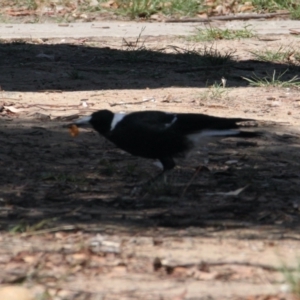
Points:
83	122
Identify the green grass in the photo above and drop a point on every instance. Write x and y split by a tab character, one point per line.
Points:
75	75
273	81
108	168
62	178
145	8
295	13
136	50
292	278
24	226
164	186
135	9
213	34
215	92
139	8
183	7
281	55
204	56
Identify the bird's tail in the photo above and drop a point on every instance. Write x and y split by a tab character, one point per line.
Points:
190	123
248	134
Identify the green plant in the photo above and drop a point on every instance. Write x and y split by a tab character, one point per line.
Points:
44	296
216	91
267	5
274	5
62	177
282	54
136	50
137	45
292	278
75	75
145	8
139	8
213	57
182	7
273	80
23	226
295	12
164	186
213	33
205	56
108	169
130	169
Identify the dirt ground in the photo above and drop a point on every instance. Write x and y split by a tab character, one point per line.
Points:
71	226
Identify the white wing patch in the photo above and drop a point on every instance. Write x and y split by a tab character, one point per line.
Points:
207	134
117	118
84	120
158	164
172	122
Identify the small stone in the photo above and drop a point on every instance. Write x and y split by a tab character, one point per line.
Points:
94	3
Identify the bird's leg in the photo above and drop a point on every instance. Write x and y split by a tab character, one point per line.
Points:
154	179
168	164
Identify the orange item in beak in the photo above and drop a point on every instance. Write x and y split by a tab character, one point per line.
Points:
74	131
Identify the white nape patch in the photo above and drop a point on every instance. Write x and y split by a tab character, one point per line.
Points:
84	120
172	122
206	135
117	118
158	164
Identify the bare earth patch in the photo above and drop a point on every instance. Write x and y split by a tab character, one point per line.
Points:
221	227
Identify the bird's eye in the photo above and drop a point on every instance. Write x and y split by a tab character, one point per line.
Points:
74	131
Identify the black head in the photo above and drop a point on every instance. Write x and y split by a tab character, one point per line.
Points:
99	120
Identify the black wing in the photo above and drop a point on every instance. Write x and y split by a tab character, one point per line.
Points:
149	134
190	123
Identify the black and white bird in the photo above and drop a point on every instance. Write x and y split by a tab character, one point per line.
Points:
162	135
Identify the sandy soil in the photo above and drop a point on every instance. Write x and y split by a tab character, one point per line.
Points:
71	226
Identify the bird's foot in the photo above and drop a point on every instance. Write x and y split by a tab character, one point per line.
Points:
154	183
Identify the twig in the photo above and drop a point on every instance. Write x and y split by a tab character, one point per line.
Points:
54	229
226	263
228	18
7	98
190	182
126	103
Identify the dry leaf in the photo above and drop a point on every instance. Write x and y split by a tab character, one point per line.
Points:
118	271
231	193
244	8
20	13
200	275
29	258
77	258
110	4
179	271
14	109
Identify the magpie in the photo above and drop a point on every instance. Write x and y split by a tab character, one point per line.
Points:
162	135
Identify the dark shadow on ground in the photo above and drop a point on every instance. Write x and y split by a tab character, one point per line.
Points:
48	179
67	67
